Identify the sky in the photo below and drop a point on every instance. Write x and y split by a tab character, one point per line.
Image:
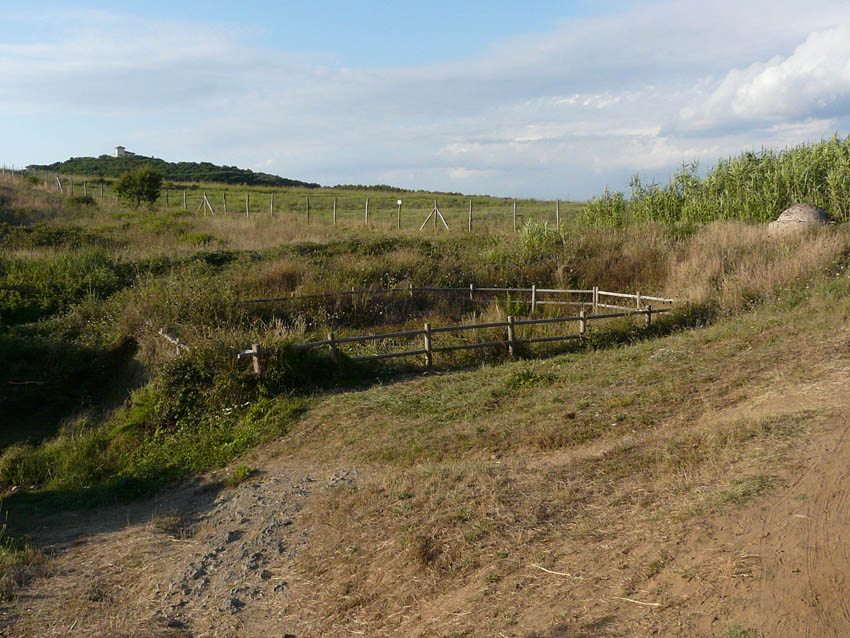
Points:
556	99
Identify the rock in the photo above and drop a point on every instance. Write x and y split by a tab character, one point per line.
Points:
233	605
796	218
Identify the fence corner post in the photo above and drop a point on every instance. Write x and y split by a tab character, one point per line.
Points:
511	336
582	323
429	356
334	350
255	358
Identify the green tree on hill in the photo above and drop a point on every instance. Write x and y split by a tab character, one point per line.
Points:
140	185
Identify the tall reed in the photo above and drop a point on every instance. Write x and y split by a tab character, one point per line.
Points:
753	188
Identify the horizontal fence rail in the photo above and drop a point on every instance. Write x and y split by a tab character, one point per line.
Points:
595	293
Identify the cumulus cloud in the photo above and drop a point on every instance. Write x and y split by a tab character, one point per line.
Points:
813	81
460	173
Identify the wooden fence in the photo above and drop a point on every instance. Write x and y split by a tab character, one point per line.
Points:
511	340
595	301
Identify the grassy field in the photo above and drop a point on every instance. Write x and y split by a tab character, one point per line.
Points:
491	215
472	471
86	286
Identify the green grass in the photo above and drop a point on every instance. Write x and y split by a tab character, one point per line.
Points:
490	214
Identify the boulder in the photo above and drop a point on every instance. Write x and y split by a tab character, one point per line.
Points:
797	217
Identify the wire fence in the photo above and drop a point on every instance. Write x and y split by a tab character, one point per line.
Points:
384	211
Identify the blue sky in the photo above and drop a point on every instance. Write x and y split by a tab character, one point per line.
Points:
546	99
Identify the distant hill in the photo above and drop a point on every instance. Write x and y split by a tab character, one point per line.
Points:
108	166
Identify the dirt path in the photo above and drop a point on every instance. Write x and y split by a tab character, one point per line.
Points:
805	548
193	562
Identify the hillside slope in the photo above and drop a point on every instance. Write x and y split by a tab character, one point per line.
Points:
702	492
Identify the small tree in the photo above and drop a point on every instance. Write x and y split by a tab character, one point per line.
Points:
140	185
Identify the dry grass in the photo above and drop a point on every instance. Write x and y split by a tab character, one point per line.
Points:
736	264
111	591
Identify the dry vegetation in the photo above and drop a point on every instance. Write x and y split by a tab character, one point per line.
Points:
539	497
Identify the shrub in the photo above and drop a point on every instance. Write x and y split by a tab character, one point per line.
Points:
140	186
77	202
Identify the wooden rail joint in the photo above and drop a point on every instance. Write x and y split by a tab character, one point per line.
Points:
179	345
254	354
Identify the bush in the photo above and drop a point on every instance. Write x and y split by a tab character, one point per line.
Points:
80	201
140	186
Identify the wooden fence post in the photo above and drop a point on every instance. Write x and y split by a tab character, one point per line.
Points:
71	180
85	189
367	212
247	204
184	200
514	215
334	350
271	206
471	290
558	214
582	323
166	198
334	211
308	209
435	216
429	356
253	354
469	223
398	217
224	197
596	300
101	191
511	335
410	288
649	316
533	298
637	300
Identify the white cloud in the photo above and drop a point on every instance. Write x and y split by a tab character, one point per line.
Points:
469	173
814	80
565	111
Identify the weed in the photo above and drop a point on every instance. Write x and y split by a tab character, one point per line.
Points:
655	566
19	562
239	475
168	522
524	378
97	591
743	490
